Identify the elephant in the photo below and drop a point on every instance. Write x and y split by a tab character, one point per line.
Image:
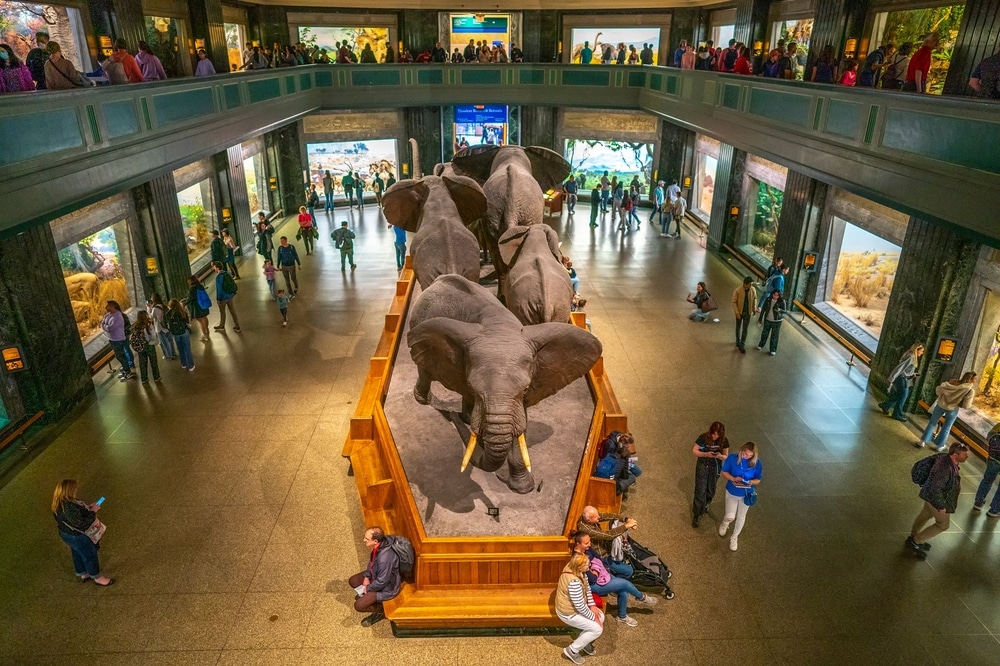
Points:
438	209
514	178
538	287
462	337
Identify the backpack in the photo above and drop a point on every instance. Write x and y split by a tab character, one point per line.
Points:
115	71
229	284
128	324
204	302
729	62
606	468
176	324
608	444
921	470
404	551
137	340
890	73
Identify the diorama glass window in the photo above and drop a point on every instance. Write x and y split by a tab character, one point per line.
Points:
362	159
19	21
197	208
863	269
590	159
235	43
327	37
985	351
165	36
704	183
910	25
798	31
759	222
721	34
256	177
98	268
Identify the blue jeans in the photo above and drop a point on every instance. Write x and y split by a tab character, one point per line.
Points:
167	344
633	216
184	349
992	470
656	209
623	569
84	554
772	329
621	587
122	353
898	393
665	221
605	196
400	255
949	420
329	201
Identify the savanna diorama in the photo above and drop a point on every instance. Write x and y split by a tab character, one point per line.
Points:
93	272
327	37
623	159
863	280
368	158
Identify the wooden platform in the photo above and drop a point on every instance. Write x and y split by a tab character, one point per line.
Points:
466	584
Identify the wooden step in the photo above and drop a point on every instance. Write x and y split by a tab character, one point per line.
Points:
453	608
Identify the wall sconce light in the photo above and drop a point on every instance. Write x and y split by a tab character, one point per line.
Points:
687	182
734	214
758	48
851	50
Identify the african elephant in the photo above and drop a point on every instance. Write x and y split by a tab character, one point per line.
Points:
462	337
538	287
514	178
438	210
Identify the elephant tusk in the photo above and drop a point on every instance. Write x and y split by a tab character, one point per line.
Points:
468	451
521	442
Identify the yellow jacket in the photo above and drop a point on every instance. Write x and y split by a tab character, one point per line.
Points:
738	297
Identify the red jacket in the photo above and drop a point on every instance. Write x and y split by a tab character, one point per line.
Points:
131	67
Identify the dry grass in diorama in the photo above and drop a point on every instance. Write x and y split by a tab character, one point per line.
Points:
862	284
89	295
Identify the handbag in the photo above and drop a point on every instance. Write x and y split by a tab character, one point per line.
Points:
96	530
709	304
750	498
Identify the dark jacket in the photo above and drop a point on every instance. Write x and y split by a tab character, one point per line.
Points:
943	485
218	250
779	309
74	517
383	572
287	256
600	540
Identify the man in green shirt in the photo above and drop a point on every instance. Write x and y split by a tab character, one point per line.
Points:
348	182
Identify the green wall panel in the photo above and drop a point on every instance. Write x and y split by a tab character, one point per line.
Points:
656	82
486	77
232	96
264	89
637	79
184	105
672	85
62	132
120	118
962	141
533	77
375	77
790	108
305	82
289	85
586	77
324	79
425	76
844	118
731	96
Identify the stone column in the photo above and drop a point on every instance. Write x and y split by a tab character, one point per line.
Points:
751	22
836	21
803	202
676	155
156	204
418	30
206	23
936	267
268	24
538	127
729	183
978	38
35	312
423	123
291	186
242	225
540	36
690	23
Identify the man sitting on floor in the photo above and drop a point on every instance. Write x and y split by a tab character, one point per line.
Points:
380	582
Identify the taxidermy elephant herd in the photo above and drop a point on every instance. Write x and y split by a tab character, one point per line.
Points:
505	351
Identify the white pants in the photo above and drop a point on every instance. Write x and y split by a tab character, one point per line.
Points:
735	508
590	631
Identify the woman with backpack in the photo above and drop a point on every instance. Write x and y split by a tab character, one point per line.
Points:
157	312
230	244
200	305
952	395
711	448
895	70
178	324
143	341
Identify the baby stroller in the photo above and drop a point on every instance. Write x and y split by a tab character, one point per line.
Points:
649	570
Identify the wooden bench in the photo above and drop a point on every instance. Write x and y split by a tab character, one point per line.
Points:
15	434
485	608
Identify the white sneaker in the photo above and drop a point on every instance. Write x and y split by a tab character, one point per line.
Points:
647	600
723	527
575	658
627	620
942	449
732	543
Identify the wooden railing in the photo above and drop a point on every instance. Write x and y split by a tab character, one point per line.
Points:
18	431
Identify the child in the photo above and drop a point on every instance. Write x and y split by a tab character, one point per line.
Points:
269	271
283	306
850	77
595	204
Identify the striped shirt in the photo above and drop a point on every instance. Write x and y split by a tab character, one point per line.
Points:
581	598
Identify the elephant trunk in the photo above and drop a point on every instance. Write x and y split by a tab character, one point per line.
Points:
497	423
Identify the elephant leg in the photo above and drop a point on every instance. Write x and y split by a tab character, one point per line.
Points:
422	389
515	475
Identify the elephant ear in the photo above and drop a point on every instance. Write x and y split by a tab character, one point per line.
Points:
563	353
468	197
552	237
439	168
475	161
440	343
547	166
403	203
510	243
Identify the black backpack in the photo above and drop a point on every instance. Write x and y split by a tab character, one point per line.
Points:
229	284
404	551
128	324
921	470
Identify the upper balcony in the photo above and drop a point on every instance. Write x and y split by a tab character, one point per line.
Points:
930	156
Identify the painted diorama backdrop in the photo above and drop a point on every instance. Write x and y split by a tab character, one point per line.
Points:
19	21
910	25
198	216
619	158
598	37
491	28
863	281
326	37
92	268
364	157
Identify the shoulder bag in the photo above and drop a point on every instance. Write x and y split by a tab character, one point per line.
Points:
709	304
94	532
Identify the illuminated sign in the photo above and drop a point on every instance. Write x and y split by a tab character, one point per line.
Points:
945	351
809	261
480	113
13	358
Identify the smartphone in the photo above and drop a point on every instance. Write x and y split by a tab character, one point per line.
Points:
100	501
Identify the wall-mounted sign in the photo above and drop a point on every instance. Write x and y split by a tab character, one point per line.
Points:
152	266
106	45
272	183
809	261
227	215
13	358
199	43
945	351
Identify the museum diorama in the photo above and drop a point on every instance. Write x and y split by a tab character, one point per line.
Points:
477	430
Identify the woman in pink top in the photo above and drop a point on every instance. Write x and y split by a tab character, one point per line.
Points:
14	74
149	64
687	60
850	77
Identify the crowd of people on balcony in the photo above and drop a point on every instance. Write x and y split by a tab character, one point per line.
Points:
887	67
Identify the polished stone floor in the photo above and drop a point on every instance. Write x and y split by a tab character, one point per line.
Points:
232	525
